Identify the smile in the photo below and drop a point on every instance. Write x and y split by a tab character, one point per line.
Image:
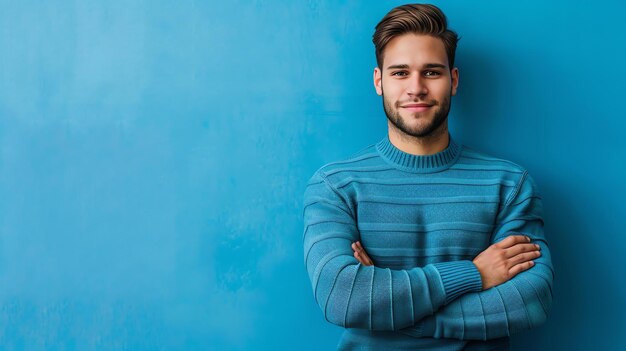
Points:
417	107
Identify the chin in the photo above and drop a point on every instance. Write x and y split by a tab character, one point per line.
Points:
420	116
418	127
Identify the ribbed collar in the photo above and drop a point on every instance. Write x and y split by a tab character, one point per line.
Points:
419	164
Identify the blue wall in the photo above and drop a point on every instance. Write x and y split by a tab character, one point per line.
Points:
153	157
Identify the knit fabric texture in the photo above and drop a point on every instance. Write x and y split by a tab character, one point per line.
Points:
422	220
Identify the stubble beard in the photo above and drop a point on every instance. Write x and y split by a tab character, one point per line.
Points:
420	131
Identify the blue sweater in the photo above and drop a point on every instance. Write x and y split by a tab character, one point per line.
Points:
422	220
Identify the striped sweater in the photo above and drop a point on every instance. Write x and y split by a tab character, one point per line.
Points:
422	220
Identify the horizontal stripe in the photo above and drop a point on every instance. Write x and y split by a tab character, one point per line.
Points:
430	227
429	200
378	168
422	252
526	199
475	167
314	200
475	156
403	260
323	220
424	181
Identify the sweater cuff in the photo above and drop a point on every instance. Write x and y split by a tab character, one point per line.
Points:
458	278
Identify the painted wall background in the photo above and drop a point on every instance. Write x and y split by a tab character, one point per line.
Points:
153	156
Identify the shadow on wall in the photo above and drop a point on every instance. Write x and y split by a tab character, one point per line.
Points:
587	309
475	112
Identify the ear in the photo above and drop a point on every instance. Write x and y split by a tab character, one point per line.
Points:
378	81
454	73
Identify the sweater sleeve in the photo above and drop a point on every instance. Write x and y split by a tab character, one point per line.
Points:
522	302
355	296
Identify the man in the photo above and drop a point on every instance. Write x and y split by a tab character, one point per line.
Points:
417	242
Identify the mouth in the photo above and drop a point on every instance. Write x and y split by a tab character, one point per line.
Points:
417	107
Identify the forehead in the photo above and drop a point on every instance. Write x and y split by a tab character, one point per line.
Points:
414	50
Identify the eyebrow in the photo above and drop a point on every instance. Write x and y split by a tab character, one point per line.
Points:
428	65
403	66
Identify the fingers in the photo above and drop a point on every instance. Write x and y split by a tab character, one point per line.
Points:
521	248
355	248
515	270
524	257
363	260
356	253
360	254
366	258
513	240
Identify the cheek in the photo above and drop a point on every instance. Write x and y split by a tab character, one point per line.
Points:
441	90
393	91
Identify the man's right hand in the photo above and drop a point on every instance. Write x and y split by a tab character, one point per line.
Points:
505	259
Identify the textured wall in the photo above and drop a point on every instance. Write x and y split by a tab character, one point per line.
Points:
153	157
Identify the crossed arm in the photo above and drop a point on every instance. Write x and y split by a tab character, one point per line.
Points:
497	293
498	310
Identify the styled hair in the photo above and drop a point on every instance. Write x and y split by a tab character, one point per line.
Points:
418	19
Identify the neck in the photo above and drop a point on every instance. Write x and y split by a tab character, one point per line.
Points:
433	143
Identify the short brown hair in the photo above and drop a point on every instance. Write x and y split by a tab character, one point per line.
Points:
414	18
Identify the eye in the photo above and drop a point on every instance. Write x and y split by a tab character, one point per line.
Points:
400	74
432	73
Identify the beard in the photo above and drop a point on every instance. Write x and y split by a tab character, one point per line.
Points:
441	110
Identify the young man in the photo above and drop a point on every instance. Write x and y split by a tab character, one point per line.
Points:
417	242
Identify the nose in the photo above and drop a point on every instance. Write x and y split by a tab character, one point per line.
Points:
417	86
